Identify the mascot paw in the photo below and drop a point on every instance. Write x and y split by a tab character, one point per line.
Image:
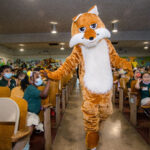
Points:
50	75
46	73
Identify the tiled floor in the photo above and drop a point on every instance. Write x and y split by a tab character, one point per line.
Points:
116	132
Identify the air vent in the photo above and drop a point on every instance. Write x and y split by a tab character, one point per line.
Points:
114	43
120	49
45	51
53	44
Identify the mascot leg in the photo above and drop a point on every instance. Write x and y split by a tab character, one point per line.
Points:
93	113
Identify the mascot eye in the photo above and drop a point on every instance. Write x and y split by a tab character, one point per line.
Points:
93	26
82	29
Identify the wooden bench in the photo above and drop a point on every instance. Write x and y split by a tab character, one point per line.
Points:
122	92
44	114
53	99
14	133
5	91
136	109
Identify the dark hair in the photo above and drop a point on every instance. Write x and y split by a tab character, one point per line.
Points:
24	83
146	69
5	67
134	71
37	69
144	74
29	69
20	73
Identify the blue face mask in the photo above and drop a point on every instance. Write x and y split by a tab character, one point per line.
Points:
38	82
8	75
24	71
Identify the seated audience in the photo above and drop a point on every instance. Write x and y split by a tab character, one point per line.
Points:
143	84
33	96
20	76
142	69
137	75
24	70
6	80
19	90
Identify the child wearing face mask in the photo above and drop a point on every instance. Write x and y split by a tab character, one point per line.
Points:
6	80
33	96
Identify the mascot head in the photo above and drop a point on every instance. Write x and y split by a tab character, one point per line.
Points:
88	29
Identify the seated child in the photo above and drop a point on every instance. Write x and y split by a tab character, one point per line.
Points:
6	73
33	96
19	90
24	70
20	76
143	84
137	75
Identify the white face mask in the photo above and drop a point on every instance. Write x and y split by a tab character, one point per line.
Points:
38	82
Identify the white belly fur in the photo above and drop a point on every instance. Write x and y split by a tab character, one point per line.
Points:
98	74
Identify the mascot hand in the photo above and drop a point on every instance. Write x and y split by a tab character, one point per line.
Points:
46	73
50	74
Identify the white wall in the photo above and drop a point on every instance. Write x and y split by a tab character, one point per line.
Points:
38	54
6	54
40	57
57	54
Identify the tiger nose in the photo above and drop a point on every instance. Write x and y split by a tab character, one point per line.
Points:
91	38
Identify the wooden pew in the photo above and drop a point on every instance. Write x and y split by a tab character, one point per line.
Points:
136	109
54	99
44	115
13	135
62	91
5	92
115	86
134	100
66	88
122	92
114	93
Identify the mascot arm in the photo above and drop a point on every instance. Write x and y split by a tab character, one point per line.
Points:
117	61
69	65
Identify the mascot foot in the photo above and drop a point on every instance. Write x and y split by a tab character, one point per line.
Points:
92	139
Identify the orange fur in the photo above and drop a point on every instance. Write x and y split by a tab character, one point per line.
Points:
96	107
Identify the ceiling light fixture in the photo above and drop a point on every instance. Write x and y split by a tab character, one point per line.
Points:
21	49
21	44
62	46
54	31
114	27
146	47
146	42
62	43
115	21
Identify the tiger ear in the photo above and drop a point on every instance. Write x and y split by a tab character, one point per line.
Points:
94	10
